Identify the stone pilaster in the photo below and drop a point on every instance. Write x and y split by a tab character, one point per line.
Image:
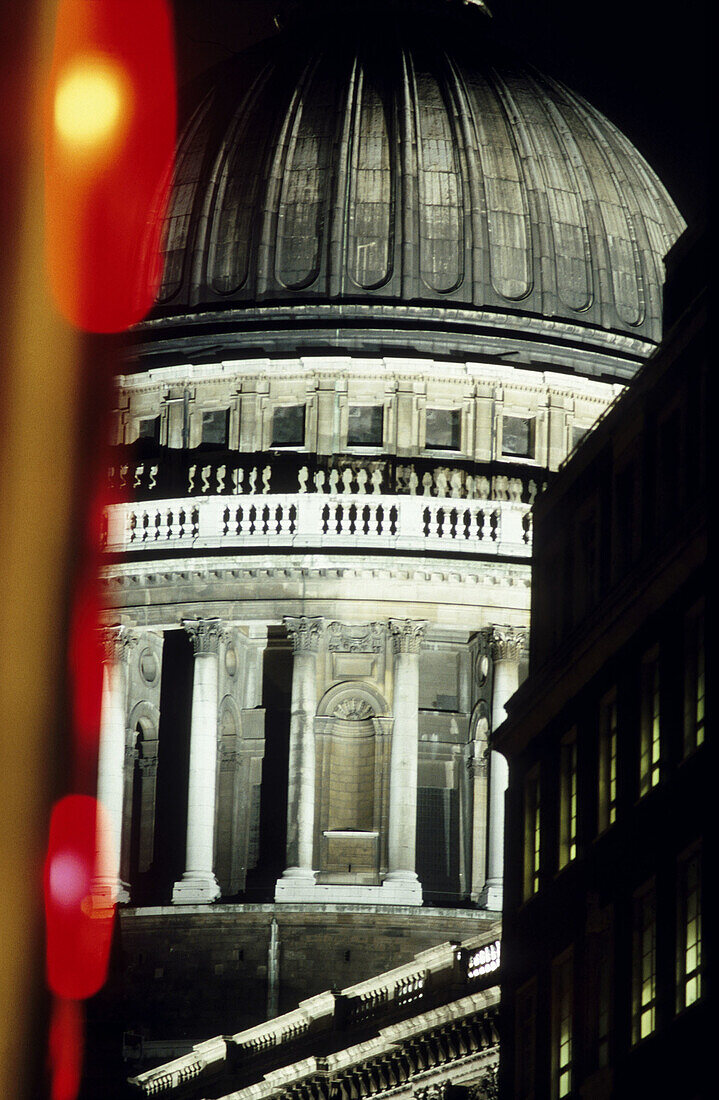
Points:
505	646
305	634
116	642
401	879
198	883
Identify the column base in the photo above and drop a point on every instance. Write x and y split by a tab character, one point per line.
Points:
195	889
491	896
401	888
106	892
296	884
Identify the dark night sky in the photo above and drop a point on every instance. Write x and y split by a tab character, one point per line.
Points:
644	64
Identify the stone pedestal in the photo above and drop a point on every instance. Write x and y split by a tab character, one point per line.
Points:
299	877
401	885
198	884
506	646
108	888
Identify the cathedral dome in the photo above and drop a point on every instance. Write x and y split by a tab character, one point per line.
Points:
403	160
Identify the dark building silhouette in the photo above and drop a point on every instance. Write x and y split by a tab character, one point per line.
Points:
607	948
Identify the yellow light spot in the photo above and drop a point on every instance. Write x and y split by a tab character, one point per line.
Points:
90	104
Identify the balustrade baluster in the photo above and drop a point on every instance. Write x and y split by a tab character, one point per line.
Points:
278	519
393	517
325	519
426	520
440	522
480	523
195	522
353	518
494	524
338	517
265	520
133	526
225	521
379	517
253	517
467	521
145	526
182	519
293	518
170	523
453	523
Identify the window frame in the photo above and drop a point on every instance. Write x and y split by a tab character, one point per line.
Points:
650	770
644	961
567	847
685	975
366	446
562	1012
607	762
530	419
694	680
532	846
454	411
206	443
288	446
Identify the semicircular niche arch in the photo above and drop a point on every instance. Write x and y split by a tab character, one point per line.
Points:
138	839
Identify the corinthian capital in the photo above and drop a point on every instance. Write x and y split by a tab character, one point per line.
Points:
507	642
304	632
115	641
407	634
205	635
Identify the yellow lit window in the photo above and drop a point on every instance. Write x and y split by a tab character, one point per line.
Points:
689	932
562	1011
694	682
532	834
568	800
650	744
607	772
644	965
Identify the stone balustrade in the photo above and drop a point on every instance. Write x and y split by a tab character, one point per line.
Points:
497	528
174	474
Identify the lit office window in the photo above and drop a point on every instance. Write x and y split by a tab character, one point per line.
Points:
694	681
532	834
562	1010
442	430
607	772
365	426
568	799
518	436
644	964
214	427
689	932
288	426
526	1041
650	732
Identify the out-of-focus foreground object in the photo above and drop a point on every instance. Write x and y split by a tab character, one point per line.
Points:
87	171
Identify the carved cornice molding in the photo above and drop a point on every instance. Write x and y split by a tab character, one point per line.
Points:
507	642
304	632
205	635
351	638
116	641
407	634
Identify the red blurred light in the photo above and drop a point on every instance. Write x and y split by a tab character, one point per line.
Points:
65	1048
78	920
109	143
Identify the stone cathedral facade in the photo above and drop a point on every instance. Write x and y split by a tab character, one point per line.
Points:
403	275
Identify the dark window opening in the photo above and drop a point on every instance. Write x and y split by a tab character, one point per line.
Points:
442	429
214	427
518	436
149	428
365	426
288	426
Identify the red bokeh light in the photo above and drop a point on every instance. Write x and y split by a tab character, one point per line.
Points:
65	1048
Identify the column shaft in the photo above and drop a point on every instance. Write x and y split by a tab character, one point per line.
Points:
402	828
506	646
111	765
198	883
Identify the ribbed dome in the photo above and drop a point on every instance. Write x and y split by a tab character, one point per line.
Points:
394	160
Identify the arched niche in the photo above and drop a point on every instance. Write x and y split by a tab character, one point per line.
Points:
352	736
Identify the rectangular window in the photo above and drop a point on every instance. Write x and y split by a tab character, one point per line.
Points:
562	1011
689	931
644	964
532	834
288	426
578	435
518	436
607	771
365	426
526	1041
597	987
568	799
442	429
214	427
650	744
694	681
149	428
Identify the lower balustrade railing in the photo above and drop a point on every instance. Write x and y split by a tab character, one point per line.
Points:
501	528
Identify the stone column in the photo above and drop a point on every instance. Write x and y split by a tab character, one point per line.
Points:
300	875
401	878
198	884
477	766
111	762
506	646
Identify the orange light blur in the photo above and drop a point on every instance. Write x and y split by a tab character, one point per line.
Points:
65	1048
109	142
